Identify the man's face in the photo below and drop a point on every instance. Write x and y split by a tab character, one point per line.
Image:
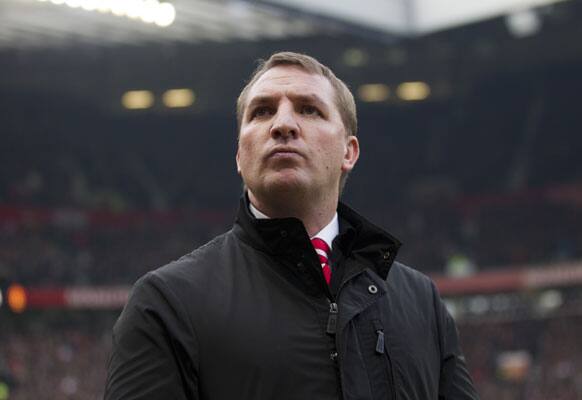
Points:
292	137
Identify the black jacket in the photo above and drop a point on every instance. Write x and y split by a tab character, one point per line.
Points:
249	316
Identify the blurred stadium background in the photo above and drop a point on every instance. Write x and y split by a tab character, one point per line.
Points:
117	150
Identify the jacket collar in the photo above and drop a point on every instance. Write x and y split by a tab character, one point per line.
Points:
366	242
358	237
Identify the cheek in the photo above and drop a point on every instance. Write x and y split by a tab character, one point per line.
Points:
246	152
242	159
244	144
332	150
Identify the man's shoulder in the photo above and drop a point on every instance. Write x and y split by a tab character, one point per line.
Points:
187	284
408	272
405	278
197	264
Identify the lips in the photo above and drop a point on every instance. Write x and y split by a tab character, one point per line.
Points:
283	152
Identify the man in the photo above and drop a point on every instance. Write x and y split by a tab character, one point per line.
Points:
302	299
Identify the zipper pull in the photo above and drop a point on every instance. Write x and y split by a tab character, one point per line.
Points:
380	332
332	319
380	342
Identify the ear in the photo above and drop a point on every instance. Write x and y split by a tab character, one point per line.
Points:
237	162
351	154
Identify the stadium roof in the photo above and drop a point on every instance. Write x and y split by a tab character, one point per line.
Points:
54	23
410	17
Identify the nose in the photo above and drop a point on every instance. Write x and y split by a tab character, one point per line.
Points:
285	124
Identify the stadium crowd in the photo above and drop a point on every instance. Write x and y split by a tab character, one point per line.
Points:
435	238
65	353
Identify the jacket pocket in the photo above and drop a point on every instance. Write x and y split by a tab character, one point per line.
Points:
381	350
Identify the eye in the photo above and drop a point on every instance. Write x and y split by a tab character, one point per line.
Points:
261	111
310	110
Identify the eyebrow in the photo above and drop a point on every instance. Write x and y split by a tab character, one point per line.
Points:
311	98
302	98
259	100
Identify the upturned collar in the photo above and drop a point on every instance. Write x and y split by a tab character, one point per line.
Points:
358	238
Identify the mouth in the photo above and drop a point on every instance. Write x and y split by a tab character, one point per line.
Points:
284	152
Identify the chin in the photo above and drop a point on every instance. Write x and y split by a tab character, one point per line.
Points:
283	184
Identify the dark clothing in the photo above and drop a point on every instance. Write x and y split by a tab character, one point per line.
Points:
249	316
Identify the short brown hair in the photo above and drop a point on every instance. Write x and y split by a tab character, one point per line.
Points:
343	97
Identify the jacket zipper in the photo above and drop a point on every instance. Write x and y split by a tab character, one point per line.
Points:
331	330
381	350
332	318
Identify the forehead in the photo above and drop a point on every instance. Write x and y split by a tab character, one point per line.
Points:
291	80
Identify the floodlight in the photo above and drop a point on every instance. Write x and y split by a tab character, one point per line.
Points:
355	57
73	3
176	98
137	99
373	92
165	15
413	91
148	11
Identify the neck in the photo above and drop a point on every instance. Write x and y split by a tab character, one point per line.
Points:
315	213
